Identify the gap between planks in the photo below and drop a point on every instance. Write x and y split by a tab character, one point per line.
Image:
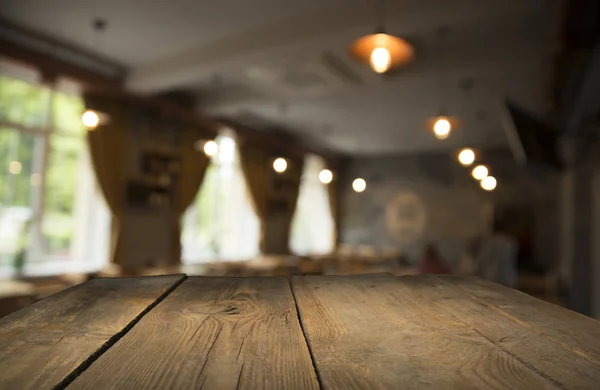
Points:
305	335
115	338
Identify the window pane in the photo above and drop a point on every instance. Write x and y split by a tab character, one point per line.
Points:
16	176
62	174
221	224
312	225
23	103
66	112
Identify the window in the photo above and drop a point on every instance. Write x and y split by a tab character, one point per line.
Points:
313	229
52	217
221	223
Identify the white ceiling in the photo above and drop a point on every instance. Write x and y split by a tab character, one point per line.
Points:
284	63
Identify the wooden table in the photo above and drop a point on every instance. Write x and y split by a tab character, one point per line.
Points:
332	332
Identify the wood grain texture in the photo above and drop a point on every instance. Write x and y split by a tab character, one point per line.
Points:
375	332
42	343
574	331
541	341
211	333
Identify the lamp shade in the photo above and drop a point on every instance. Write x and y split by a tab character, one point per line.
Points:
400	51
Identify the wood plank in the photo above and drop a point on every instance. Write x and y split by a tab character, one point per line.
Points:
374	332
572	330
212	333
557	361
42	344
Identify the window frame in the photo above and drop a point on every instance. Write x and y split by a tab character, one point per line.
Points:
36	252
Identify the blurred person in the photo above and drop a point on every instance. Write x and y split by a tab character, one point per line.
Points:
468	261
497	258
432	262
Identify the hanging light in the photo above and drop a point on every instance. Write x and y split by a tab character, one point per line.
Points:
90	119
466	157
480	172
280	165
381	51
442	127
359	185
442	124
325	176
211	148
489	183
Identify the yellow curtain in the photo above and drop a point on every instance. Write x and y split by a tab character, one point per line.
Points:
256	164
293	177
193	166
109	150
332	189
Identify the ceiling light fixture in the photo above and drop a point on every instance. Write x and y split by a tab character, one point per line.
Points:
443	124
466	157
211	148
280	165
480	172
381	51
325	176
90	119
359	185
489	183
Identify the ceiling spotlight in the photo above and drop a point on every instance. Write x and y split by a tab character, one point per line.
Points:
325	176
211	148
466	157
359	185
280	165
442	128
480	172
90	119
489	183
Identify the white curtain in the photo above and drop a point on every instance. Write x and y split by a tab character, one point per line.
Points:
313	228
221	224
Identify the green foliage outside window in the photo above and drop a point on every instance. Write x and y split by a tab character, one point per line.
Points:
29	105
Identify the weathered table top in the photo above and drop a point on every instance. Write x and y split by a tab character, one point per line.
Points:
334	332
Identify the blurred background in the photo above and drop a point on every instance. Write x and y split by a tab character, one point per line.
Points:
278	138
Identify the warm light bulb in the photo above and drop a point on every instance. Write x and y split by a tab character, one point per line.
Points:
90	119
210	148
489	183
380	59
466	157
325	176
14	167
480	172
441	128
280	165
359	185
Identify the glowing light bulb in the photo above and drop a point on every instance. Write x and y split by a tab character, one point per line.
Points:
489	183
90	119
14	167
441	128
210	148
480	172
359	185
280	165
380	59
466	157
325	176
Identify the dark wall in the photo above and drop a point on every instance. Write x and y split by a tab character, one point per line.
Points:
454	208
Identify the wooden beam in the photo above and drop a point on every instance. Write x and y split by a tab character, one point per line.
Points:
52	67
53	42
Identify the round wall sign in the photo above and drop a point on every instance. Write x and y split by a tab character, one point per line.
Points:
406	217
